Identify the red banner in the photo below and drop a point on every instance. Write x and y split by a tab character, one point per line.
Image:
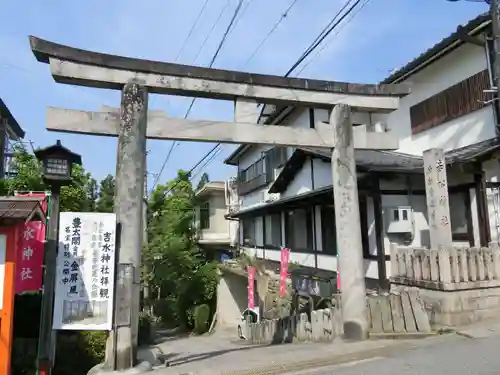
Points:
251	287
285	259
30	253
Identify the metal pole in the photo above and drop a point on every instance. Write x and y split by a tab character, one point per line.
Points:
495	26
128	207
47	335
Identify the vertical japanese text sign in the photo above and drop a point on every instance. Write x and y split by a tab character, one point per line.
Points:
285	259
251	287
30	253
85	271
438	208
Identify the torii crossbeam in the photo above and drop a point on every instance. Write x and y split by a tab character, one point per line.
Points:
133	123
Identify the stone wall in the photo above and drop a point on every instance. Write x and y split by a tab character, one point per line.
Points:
457	286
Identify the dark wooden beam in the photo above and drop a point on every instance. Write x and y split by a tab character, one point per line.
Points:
482	210
44	50
379	234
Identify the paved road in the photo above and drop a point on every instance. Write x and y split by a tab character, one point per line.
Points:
460	356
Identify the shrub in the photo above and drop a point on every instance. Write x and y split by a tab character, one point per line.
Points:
144	335
78	352
201	316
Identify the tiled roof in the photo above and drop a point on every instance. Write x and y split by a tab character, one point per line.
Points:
437	48
269	112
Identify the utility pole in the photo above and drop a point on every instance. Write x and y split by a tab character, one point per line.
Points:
495	28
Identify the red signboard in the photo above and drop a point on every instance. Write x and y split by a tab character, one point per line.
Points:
285	259
30	253
251	287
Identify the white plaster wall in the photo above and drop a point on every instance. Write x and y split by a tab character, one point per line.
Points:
302	182
322	173
491	170
458	65
325	262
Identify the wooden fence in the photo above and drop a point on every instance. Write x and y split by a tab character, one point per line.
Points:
447	268
388	313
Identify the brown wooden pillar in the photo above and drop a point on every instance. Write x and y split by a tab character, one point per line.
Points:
379	234
482	208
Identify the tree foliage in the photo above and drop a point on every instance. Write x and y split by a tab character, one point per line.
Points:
106	197
176	267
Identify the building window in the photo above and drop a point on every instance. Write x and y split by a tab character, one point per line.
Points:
205	215
299	230
272	230
457	100
249	235
328	230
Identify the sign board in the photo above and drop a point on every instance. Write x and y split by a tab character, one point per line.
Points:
30	252
85	271
285	259
251	287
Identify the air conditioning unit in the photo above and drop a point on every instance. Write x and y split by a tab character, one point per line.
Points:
399	219
266	197
271	197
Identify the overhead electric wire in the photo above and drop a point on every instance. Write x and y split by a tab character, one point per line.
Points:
273	29
334	22
333	37
195	166
242	13
192	29
183	45
212	61
211	30
324	34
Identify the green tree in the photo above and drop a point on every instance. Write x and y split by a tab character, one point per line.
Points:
177	268
106	200
203	180
78	196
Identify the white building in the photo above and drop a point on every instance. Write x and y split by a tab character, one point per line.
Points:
285	194
215	233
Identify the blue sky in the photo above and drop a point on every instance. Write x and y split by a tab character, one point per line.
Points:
385	35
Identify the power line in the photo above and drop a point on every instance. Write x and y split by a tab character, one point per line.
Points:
333	37
195	166
211	30
324	33
242	13
214	57
273	29
200	13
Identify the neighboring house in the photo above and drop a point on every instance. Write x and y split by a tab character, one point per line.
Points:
216	234
9	131
286	194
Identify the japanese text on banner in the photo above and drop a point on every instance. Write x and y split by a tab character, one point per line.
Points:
251	287
30	253
285	259
84	289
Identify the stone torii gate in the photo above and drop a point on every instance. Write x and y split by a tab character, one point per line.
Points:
132	123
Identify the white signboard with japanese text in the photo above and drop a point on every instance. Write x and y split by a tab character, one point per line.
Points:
85	271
